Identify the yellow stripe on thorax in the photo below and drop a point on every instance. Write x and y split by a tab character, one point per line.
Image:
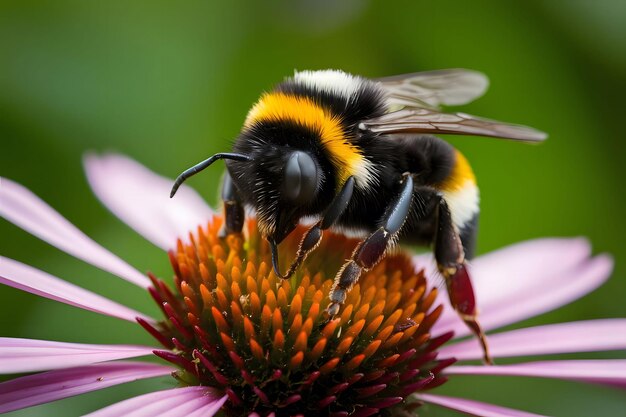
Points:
460	174
276	107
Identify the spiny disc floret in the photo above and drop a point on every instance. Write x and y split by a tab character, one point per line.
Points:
232	324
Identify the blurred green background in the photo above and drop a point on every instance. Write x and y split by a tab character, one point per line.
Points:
170	84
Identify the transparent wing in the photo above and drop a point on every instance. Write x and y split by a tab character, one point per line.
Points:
423	120
450	87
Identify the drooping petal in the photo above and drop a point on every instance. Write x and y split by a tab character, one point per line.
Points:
526	265
50	386
609	372
140	198
474	408
537	297
580	336
23	208
520	265
171	403
515	269
26	278
28	355
573	284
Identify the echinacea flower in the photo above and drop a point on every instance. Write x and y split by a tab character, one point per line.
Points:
238	341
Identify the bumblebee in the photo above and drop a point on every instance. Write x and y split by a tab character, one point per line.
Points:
357	155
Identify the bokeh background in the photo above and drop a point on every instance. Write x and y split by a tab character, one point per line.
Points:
169	84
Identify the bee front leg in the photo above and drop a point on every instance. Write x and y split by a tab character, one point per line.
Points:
234	214
370	251
313	236
451	263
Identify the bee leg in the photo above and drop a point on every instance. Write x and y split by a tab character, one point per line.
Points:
451	263
370	251
312	238
234	214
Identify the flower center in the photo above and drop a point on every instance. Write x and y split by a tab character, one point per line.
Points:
233	325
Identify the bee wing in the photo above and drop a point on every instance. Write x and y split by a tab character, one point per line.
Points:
450	87
421	120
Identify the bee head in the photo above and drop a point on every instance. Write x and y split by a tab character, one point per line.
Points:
281	184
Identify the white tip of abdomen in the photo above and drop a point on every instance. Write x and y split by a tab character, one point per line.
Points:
463	203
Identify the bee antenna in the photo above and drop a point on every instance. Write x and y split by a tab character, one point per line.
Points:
202	165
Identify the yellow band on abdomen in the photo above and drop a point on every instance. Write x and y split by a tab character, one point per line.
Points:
461	173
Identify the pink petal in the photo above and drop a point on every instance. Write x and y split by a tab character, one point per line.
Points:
580	336
525	266
210	410
609	372
521	267
140	198
474	408
26	278
570	286
28	355
534	293
26	210
170	403
51	386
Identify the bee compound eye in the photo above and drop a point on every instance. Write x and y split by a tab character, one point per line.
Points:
301	177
